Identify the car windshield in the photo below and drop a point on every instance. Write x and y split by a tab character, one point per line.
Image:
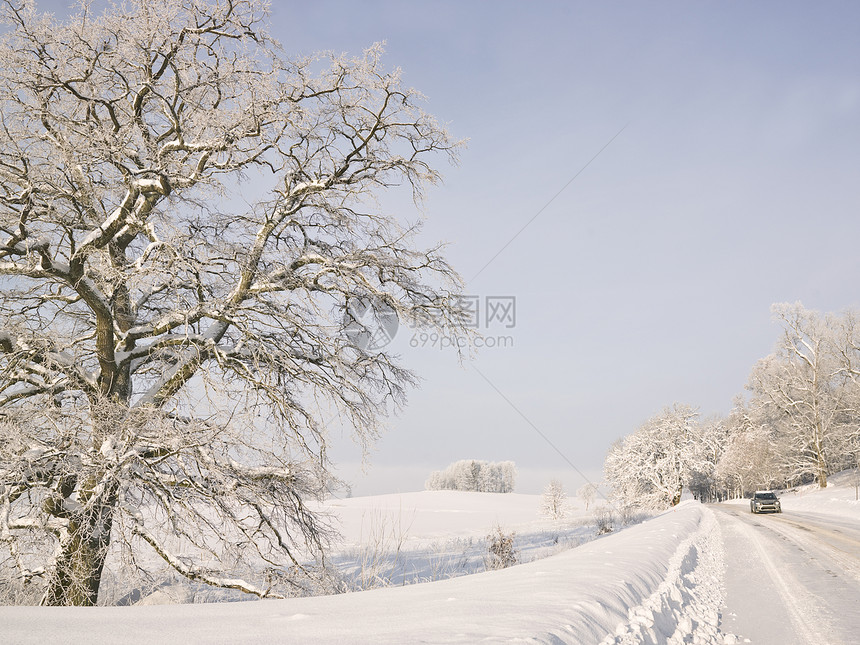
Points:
765	496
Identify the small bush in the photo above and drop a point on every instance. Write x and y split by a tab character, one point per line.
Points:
628	515
500	550
604	519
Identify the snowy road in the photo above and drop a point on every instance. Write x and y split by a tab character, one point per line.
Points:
791	578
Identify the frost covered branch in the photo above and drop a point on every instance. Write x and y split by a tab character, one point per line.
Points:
164	347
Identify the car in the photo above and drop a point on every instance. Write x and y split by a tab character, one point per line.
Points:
765	501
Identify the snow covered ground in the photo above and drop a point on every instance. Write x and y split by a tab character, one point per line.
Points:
433	535
660	581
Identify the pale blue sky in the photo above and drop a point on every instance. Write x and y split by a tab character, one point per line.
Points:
649	279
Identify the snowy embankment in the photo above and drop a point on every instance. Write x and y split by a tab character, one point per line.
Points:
656	582
839	498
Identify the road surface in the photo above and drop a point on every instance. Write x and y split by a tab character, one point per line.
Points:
791	578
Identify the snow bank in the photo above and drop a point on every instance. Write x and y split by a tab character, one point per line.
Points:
685	606
656	582
839	498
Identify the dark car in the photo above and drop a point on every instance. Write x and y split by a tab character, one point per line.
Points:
765	501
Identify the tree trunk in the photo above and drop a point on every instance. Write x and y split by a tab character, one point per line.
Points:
79	566
78	574
821	465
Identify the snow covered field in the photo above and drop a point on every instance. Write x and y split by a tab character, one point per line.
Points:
433	535
660	581
652	581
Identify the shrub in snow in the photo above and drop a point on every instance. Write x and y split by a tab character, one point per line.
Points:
500	550
628	515
554	500
379	556
604	519
474	475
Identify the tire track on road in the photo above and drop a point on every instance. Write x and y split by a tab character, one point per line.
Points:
835	544
798	612
813	568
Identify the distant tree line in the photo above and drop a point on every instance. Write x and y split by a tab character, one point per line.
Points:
799	423
474	475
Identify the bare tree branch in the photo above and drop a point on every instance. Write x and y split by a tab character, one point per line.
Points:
166	351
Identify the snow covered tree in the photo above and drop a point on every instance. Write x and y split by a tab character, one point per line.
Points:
187	218
847	343
703	482
751	461
806	391
749	451
468	477
587	493
651	467
435	481
554	500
